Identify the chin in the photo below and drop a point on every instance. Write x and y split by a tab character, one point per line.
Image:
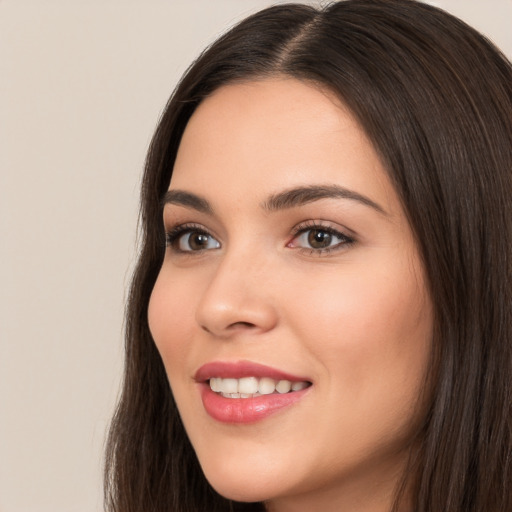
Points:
240	488
249	482
241	493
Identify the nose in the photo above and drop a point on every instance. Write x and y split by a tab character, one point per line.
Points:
237	299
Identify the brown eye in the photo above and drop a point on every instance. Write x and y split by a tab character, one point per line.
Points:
197	241
191	240
319	238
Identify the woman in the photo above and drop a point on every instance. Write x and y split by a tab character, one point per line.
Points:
321	314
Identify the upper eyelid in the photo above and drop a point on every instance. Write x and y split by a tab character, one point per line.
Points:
341	233
182	228
295	230
323	224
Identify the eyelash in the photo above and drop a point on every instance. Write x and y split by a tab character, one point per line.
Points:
174	235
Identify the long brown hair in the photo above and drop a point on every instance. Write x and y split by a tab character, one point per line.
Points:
435	98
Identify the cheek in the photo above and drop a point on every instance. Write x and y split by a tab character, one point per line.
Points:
170	318
372	336
371	329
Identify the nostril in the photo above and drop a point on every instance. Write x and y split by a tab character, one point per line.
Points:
232	327
241	324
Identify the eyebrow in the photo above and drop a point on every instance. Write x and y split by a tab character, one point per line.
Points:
187	199
291	198
303	195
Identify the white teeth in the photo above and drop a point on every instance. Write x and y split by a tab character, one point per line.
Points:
248	387
266	386
215	384
229	386
297	386
283	386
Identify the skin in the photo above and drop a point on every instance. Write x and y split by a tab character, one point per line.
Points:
357	321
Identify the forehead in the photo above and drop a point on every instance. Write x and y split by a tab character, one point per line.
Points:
251	139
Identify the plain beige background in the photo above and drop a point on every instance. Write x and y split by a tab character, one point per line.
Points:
81	88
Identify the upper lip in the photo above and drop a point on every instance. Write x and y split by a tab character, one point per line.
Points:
240	369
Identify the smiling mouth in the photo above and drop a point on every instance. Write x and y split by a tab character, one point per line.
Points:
251	387
245	392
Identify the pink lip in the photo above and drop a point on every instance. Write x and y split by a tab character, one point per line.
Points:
244	410
239	369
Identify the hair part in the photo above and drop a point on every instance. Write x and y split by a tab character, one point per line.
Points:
435	99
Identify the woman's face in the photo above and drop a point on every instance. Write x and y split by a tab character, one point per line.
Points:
290	262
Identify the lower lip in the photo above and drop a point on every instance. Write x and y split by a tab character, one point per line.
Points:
246	410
